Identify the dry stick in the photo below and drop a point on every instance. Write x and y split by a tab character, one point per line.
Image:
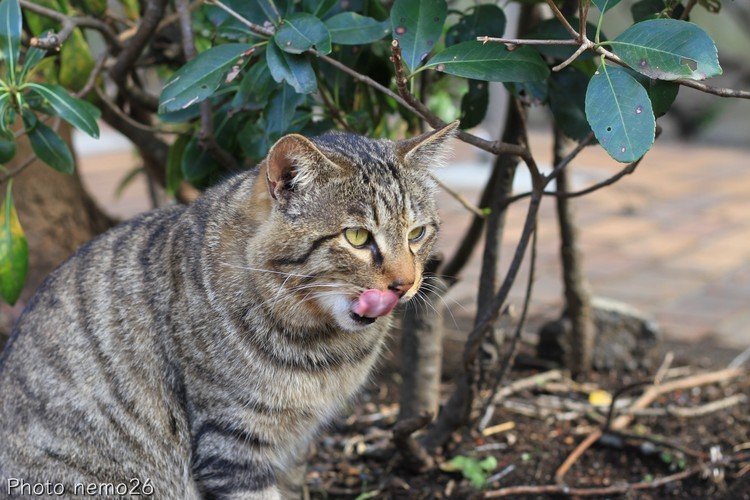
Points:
559	489
688	8
415	456
648	397
525	41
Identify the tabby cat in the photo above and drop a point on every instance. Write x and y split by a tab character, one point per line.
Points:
194	352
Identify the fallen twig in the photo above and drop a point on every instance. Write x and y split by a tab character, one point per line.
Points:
561	489
414	455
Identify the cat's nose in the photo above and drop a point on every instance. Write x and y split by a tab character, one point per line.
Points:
400	287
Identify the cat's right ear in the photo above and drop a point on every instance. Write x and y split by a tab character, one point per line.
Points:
293	162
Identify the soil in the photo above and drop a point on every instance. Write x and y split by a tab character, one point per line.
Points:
356	457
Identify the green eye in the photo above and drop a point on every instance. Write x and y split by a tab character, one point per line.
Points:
416	234
357	236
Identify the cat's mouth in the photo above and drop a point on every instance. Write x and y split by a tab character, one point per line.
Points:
371	305
361	320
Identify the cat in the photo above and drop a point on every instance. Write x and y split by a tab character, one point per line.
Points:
195	351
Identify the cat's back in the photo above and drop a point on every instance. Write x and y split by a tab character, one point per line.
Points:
86	375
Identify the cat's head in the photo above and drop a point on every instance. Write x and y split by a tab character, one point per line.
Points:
352	224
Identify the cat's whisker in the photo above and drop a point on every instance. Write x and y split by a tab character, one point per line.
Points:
258	269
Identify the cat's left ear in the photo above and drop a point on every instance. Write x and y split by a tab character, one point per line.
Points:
294	161
428	149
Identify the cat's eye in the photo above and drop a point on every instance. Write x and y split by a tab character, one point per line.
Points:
416	234
357	236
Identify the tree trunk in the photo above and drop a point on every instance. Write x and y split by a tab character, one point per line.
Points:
422	350
580	343
57	215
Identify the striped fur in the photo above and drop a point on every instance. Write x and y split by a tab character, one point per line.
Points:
201	348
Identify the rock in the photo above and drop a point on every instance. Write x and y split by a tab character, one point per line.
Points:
626	338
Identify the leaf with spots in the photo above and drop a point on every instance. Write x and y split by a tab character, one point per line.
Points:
200	77
301	32
620	113
482	20
350	28
490	62
14	250
667	49
417	25
662	93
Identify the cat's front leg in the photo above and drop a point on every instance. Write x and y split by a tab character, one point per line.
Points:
231	463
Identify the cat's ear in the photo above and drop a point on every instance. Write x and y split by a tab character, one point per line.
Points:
294	161
428	149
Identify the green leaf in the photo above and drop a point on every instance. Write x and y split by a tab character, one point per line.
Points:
10	35
48	146
662	93
32	58
14	250
319	8
280	110
481	20
490	62
646	9
300	32
604	5
350	28
81	114
7	146
76	61
567	101
620	113
474	104
200	77
552	29
667	49
417	25
255	87
291	68
197	163
174	164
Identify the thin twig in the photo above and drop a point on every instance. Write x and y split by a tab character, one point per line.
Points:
414	455
70	23
127	118
93	76
580	50
6	175
560	489
525	41
560	17
459	197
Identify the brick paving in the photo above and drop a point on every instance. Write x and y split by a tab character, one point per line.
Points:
673	239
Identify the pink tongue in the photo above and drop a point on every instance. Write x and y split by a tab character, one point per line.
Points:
375	303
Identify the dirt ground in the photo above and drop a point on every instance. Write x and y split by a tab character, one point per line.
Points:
533	431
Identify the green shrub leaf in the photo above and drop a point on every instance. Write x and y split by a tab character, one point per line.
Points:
567	101
280	110
620	113
300	32
32	58
14	250
605	5
417	25
474	104
481	20
81	114
10	35
200	77
48	146
490	62
255	87
667	49
291	68
7	146
174	164
350	28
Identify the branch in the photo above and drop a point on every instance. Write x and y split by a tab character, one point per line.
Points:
53	41
6	175
411	102
126	59
459	197
414	455
525	41
564	21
